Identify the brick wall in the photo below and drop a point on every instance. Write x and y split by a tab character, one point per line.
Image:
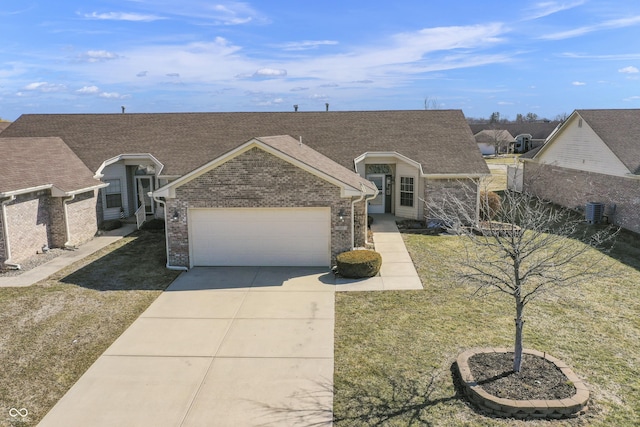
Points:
81	215
28	220
573	189
257	179
441	192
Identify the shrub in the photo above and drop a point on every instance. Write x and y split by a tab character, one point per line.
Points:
359	263
490	205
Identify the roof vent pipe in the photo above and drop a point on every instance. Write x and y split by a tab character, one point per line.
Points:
122	109
326	104
295	108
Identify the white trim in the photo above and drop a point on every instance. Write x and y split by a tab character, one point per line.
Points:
133	156
394	154
55	191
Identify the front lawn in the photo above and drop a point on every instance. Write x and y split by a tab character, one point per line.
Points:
51	332
394	350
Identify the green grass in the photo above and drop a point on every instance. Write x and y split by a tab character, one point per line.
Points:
51	332
394	350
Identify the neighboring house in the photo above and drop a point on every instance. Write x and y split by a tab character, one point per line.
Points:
528	135
593	158
265	188
48	198
4	125
494	141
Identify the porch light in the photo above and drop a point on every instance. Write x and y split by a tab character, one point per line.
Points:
176	216
341	214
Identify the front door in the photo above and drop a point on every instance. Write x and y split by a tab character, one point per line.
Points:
377	205
144	185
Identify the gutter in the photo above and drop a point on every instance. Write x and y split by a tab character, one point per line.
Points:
166	238
5	231
67	244
366	210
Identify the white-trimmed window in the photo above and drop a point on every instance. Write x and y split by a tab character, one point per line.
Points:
406	191
113	194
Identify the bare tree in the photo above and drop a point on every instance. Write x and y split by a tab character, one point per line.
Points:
524	248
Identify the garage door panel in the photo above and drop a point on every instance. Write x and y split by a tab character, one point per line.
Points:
287	236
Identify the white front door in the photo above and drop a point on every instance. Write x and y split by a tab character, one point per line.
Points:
144	185
376	205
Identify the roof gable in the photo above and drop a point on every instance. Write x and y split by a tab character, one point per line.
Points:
440	140
619	130
578	146
28	164
292	151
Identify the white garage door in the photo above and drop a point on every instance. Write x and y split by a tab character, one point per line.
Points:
285	237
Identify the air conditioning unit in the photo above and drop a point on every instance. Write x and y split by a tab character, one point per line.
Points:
593	212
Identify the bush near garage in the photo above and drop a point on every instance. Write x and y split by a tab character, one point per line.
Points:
358	263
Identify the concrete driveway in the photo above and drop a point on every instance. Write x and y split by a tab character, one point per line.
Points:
228	346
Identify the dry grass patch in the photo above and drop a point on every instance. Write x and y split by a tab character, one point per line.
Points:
51	332
394	350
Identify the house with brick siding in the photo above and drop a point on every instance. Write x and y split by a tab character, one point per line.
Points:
47	196
594	157
264	188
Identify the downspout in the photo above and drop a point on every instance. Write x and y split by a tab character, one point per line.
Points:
166	237
67	244
366	212
5	232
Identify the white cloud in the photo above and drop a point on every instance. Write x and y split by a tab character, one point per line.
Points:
93	56
270	73
142	74
629	70
173	74
88	90
632	98
607	25
546	8
45	87
307	45
122	16
576	83
113	95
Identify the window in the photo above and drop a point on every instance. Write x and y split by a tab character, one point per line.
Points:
113	193
406	191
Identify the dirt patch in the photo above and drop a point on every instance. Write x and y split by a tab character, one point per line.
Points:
538	379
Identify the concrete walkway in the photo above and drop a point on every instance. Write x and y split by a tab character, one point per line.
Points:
230	346
397	271
43	271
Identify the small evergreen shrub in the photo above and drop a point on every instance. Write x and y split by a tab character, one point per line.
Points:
359	263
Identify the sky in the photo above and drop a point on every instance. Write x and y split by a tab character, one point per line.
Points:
513	57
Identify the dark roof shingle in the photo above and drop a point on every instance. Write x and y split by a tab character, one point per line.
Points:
39	162
440	140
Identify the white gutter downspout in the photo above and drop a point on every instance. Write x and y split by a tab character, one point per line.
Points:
67	244
366	211
166	234
5	232
353	218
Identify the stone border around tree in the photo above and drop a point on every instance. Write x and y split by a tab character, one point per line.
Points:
523	409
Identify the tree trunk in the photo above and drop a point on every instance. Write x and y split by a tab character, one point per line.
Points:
517	354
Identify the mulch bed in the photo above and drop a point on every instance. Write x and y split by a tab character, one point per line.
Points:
538	378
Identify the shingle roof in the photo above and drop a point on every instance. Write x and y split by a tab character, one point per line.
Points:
39	162
438	139
620	130
4	125
492	135
310	157
537	130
